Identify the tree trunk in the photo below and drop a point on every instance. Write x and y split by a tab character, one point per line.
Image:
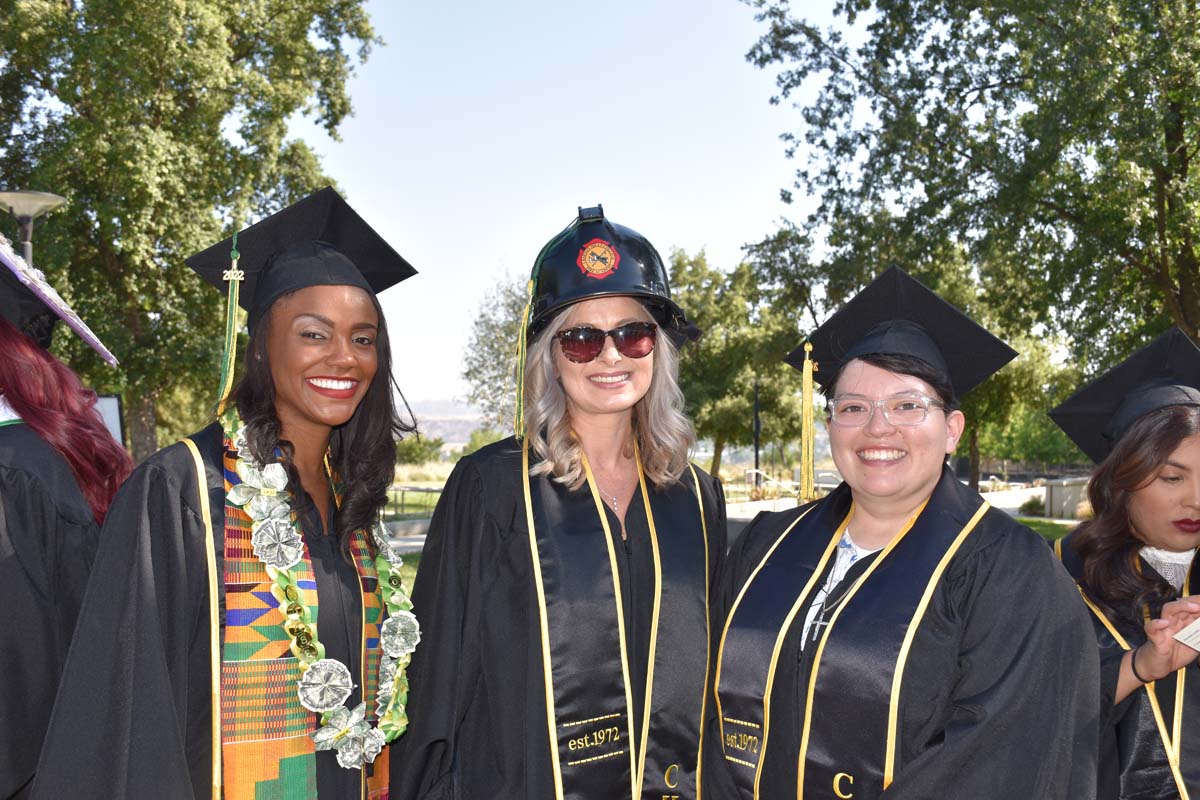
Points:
973	450
140	423
714	468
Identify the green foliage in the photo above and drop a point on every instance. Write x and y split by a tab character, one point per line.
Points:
489	364
415	449
748	329
164	124
1022	430
1050	143
1034	506
481	437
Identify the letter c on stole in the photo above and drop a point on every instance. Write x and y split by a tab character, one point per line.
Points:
837	785
670	781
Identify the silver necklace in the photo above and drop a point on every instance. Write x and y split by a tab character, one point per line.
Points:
612	498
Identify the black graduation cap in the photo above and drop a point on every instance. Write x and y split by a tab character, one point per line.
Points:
317	241
32	305
1164	373
897	315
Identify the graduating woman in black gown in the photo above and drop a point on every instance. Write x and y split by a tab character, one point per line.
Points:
59	468
899	638
1134	563
245	634
564	584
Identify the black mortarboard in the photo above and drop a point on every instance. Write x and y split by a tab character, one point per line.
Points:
32	305
1164	373
317	241
897	315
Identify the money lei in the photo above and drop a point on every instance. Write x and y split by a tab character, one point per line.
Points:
326	684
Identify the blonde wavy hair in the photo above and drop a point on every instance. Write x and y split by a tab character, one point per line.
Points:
664	434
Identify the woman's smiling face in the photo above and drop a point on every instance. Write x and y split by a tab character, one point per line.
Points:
611	383
321	348
889	464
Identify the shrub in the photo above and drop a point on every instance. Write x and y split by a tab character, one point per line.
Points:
1033	507
416	449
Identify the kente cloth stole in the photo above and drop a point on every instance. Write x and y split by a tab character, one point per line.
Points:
267	751
849	735
1161	704
586	652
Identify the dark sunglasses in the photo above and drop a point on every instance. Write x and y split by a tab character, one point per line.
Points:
583	344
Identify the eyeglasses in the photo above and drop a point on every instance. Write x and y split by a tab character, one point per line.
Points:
584	343
901	410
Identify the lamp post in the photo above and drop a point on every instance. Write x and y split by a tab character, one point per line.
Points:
757	431
28	207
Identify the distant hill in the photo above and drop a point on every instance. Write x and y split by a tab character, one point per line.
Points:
449	420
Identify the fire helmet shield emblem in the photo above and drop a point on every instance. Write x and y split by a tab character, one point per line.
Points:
598	259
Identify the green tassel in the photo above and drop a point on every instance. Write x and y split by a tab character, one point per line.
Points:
522	351
234	277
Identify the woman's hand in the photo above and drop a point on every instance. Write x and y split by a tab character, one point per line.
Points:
1161	654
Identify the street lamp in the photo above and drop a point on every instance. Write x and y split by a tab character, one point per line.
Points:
29	207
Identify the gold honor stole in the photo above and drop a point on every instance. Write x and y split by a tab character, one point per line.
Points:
585	652
1163	707
851	715
265	743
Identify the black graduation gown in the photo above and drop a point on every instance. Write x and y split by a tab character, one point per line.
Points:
48	539
133	715
477	703
998	695
1133	760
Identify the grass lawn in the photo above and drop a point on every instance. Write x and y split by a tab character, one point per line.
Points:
1048	529
408	571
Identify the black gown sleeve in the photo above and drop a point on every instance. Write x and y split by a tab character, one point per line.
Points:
136	687
1023	720
46	552
423	758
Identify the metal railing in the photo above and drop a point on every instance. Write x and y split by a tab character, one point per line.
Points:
411	502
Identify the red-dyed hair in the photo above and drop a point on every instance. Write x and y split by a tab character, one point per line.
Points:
57	407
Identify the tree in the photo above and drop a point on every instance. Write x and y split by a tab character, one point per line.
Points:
748	329
490	362
1052	143
417	449
165	126
480	437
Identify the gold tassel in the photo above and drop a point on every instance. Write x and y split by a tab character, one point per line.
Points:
807	429
519	405
234	277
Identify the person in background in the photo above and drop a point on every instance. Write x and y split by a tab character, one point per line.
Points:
1140	423
199	668
899	638
59	469
565	579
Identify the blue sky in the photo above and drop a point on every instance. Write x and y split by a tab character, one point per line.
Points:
480	127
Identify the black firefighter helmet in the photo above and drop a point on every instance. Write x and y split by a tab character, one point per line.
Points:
595	257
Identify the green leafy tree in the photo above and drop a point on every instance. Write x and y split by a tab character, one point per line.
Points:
417	449
1052	142
1030	436
489	365
165	125
481	437
748	330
